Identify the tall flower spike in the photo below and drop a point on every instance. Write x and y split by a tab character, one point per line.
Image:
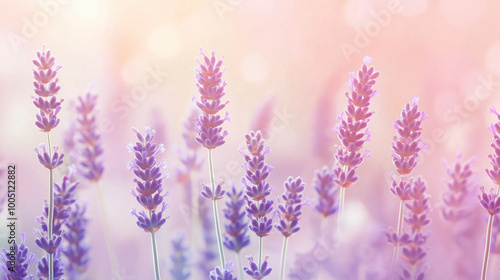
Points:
211	88
237	237
491	201
46	89
222	274
89	143
352	128
19	268
77	249
148	191
180	260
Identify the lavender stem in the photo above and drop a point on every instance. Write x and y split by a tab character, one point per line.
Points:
155	253
109	245
341	214
51	211
283	257
395	254
240	266
487	248
260	251
216	214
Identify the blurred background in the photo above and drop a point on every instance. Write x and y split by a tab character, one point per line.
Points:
287	67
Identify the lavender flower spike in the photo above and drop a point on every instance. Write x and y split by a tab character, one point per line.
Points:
290	210
19	268
324	185
211	88
148	191
89	139
222	274
491	201
208	126
179	257
46	89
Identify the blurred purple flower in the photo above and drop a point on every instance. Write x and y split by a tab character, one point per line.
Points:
23	258
262	116
256	272
352	129
89	142
494	173
236	230
76	250
407	145
328	191
211	88
180	260
150	177
46	89
290	208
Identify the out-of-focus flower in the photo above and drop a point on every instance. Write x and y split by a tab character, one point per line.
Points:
211	88
352	128
236	230
494	173
23	258
324	185
89	142
46	89
77	249
180	260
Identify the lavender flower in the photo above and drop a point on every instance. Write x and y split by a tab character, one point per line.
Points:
46	89
211	88
179	257
494	173
19	270
43	268
290	208
77	250
149	186
222	274
324	185
255	271
352	129
406	147
89	143
237	237
48	160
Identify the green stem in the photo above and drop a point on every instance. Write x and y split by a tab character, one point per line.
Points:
51	212
240	266
260	251
341	215
216	214
283	257
395	254
487	248
156	263
107	236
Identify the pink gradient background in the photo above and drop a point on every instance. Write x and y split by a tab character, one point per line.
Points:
289	52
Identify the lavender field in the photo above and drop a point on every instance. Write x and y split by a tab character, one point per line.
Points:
229	139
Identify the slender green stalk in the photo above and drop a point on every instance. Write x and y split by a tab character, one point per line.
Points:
51	212
240	266
399	230
216	214
260	251
195	221
283	257
107	236
487	248
156	263
341	215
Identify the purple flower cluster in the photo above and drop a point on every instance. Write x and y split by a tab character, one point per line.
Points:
352	129
64	199
416	219
324	185
256	272
23	258
222	274
180	260
236	230
290	208
407	145
89	139
49	161
76	250
256	187
149	183
494	173
459	185
46	89
211	88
